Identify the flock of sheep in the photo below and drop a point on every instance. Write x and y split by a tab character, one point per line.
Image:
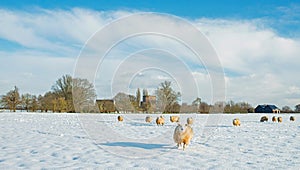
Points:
183	134
237	122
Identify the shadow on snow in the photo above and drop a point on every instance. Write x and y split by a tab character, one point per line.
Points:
136	145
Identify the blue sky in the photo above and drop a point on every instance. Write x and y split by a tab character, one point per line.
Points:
257	42
189	8
283	14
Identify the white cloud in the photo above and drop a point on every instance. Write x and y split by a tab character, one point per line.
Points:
242	45
260	65
293	90
32	72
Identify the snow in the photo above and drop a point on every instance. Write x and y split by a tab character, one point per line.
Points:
83	141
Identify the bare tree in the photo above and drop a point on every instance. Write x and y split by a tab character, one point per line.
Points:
166	97
76	92
286	109
125	102
196	105
26	100
204	107
34	103
218	107
60	104
46	101
63	88
297	108
84	95
12	99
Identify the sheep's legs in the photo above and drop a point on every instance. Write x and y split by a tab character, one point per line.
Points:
179	145
185	145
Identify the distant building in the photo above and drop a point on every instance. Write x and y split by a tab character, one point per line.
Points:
149	103
266	109
106	105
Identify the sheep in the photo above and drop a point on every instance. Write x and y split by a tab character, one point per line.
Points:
160	120
279	119
148	119
264	119
120	118
236	122
183	135
292	118
174	118
189	121
274	119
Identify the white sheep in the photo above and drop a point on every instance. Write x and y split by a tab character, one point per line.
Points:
183	135
148	119
190	121
160	120
292	118
174	118
264	119
120	118
279	119
236	122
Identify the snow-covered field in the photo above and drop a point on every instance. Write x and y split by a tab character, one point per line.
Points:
71	141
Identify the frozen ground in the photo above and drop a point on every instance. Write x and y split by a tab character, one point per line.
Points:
71	141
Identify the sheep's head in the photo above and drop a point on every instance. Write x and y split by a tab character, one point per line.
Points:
180	128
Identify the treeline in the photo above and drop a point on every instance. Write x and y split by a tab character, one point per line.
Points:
59	99
165	100
229	107
78	95
219	107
